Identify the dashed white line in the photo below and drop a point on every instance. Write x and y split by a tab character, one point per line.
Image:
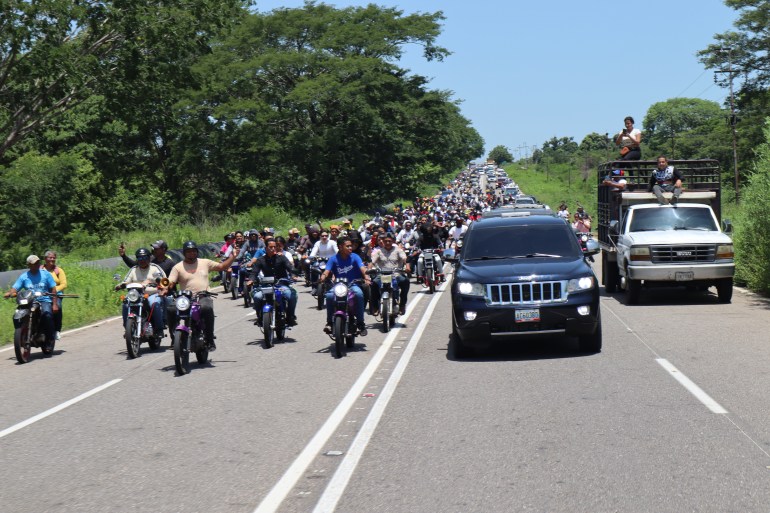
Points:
691	387
58	408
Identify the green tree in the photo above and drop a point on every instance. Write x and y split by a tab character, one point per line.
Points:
56	54
500	154
678	127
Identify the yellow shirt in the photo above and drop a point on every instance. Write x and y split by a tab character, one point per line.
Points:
193	277
59	277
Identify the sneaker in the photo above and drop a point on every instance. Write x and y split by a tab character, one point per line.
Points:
58	335
401	310
292	321
443	278
674	199
328	328
212	346
362	330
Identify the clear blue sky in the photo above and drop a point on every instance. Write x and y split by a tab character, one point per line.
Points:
527	71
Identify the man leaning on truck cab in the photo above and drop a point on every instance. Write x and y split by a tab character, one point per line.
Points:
665	179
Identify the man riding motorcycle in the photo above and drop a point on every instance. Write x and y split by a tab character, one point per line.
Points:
277	265
430	238
146	273
192	274
348	265
390	257
38	280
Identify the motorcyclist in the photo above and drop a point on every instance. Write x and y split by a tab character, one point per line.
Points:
430	238
325	247
38	280
390	257
192	274
274	264
146	273
348	265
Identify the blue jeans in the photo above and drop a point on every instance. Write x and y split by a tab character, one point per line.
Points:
288	294
158	313
359	304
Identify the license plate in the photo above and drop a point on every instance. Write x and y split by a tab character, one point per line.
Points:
532	315
684	276
23	301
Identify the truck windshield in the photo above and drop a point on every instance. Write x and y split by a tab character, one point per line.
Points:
520	242
666	219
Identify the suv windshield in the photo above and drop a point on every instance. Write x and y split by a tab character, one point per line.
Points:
520	242
667	219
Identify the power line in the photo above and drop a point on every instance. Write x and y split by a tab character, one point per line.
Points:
692	83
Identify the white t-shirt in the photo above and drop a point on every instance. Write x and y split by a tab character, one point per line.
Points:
324	250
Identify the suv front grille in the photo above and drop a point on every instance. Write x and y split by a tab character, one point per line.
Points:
683	254
522	293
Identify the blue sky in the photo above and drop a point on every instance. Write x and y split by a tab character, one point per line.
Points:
526	71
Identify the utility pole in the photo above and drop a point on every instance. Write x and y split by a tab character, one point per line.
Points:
733	119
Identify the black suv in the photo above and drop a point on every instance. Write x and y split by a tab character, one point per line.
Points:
520	276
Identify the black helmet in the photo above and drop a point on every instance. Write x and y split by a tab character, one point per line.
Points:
142	253
189	245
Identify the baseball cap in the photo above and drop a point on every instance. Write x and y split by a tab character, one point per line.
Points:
618	172
33	259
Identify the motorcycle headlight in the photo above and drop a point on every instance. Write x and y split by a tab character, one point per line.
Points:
470	289
340	290
133	295
182	303
578	284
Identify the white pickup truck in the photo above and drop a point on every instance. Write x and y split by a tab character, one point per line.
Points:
648	244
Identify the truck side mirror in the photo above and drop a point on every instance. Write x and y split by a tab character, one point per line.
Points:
727	226
614	227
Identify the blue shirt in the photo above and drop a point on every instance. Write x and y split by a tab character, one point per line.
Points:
41	281
349	267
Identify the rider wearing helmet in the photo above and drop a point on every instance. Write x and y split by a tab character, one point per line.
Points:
146	273
192	274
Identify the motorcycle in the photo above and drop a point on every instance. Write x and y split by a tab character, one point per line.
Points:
319	288
235	274
29	331
273	314
245	272
431	279
344	328
138	328
189	333
388	297
583	238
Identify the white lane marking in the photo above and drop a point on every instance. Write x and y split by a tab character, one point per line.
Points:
281	489
58	408
691	387
336	487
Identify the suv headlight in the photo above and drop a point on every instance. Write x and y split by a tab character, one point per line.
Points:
640	254
578	284
182	303
470	289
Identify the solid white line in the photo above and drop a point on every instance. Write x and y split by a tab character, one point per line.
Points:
336	487
58	408
691	387
281	489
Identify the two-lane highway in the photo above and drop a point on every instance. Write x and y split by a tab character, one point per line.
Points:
671	416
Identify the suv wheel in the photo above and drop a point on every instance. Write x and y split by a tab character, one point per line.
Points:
592	343
458	350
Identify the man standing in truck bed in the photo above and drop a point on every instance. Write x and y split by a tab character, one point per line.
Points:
665	179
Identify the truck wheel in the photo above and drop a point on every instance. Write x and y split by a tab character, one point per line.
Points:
633	289
725	290
610	275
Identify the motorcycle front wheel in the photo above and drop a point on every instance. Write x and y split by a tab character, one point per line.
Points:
339	337
202	354
181	353
350	338
385	312
430	276
234	287
21	342
267	327
280	326
132	338
320	295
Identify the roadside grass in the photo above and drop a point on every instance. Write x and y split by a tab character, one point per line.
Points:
557	183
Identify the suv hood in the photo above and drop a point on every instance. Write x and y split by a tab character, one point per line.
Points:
516	270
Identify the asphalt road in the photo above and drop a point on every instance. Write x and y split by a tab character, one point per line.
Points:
670	417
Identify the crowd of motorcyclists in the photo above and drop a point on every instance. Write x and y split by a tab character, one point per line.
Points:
401	240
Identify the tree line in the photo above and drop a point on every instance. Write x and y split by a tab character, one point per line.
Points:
122	115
